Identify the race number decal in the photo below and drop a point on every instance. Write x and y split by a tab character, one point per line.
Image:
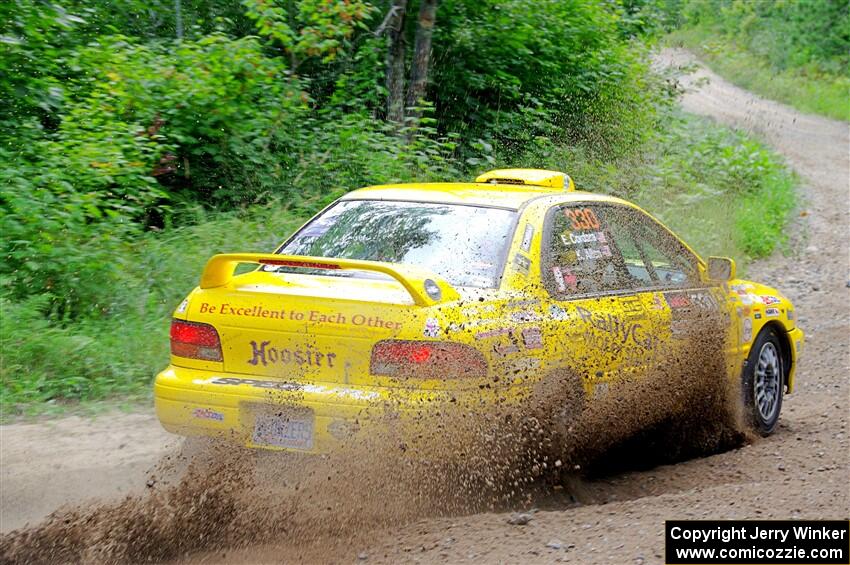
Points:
583	219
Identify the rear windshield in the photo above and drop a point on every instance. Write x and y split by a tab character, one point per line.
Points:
465	245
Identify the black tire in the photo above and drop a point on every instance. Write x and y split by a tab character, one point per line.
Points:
763	383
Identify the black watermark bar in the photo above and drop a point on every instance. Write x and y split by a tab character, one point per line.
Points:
757	542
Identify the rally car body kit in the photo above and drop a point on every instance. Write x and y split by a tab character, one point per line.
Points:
397	299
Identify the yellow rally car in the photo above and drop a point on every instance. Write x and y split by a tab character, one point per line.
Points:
407	296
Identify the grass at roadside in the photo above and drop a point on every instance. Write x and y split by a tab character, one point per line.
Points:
807	88
723	192
115	354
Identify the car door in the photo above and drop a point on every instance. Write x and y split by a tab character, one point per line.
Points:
691	313
599	317
625	294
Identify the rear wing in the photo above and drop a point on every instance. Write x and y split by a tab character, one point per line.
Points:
423	286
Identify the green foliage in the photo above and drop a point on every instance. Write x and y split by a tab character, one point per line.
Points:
46	362
787	33
201	121
98	355
38	38
699	169
309	28
518	69
35	38
128	156
221	111
795	51
807	88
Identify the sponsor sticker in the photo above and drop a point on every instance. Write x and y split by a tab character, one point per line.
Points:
564	278
633	307
771	312
265	353
207	414
526	237
770	300
432	328
312	316
703	299
525	316
492	333
559	279
558	313
524	303
290	386
522	263
532	338
258	383
700	299
747	330
757	315
503	350
182	307
623	331
569	278
677	300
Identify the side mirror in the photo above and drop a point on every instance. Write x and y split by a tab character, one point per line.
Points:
721	268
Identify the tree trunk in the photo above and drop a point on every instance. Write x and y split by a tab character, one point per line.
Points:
422	51
395	61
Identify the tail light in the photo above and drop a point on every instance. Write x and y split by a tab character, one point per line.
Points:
195	341
426	360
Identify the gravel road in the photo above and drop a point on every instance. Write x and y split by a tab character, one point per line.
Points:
800	472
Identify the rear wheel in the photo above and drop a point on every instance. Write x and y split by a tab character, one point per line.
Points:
763	382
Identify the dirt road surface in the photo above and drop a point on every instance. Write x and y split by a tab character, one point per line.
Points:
800	472
75	459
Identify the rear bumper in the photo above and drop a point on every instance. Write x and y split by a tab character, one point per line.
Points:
189	403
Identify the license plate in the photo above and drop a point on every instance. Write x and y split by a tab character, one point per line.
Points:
293	431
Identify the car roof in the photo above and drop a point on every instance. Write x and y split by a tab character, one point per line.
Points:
470	193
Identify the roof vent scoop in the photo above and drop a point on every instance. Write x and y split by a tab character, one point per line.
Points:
532	177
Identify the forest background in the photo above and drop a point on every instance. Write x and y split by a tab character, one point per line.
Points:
138	138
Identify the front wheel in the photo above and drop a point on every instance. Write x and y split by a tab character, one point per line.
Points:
763	383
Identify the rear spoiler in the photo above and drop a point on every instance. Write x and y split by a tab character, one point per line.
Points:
423	286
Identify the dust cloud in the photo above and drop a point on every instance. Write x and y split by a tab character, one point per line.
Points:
458	460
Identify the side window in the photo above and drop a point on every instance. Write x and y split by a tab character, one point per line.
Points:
633	256
598	249
652	256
